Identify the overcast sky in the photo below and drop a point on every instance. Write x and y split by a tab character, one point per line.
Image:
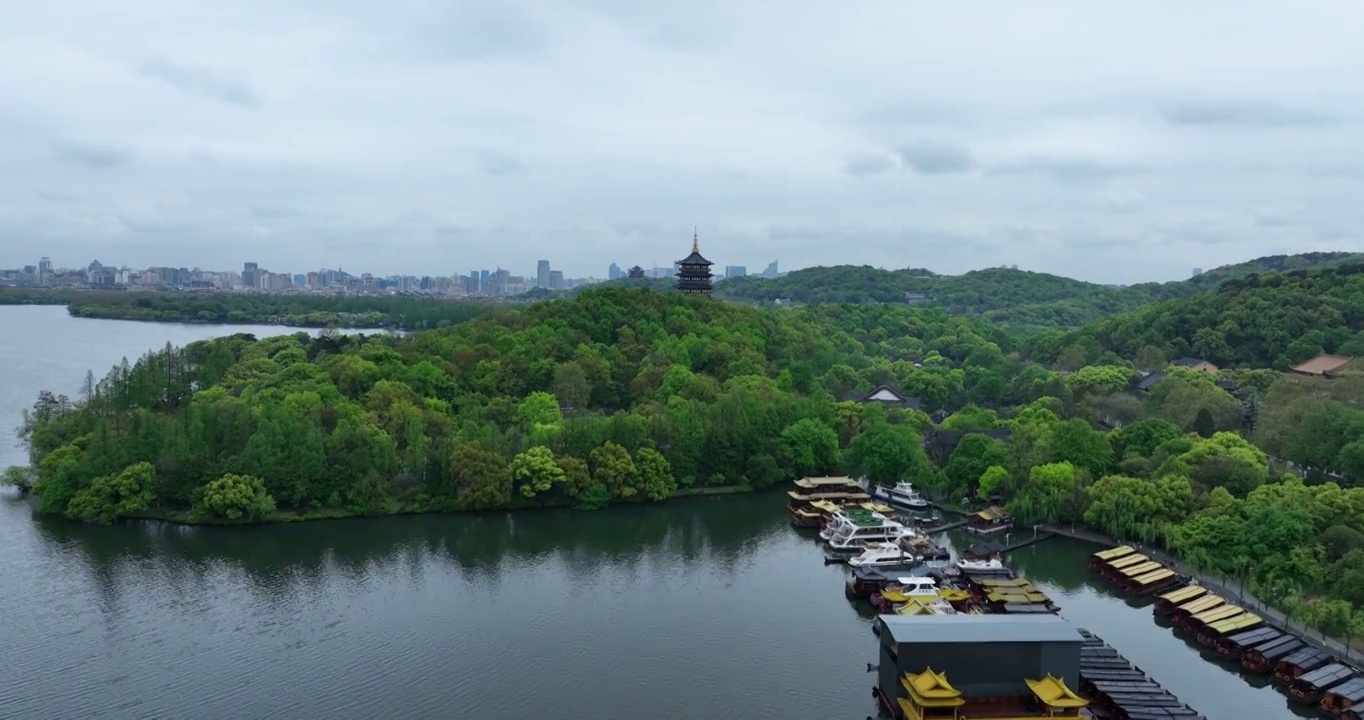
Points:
1116	142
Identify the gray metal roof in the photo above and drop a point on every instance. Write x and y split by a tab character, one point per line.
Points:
979	628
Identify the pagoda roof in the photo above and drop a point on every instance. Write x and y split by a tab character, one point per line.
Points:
694	259
931	689
1052	691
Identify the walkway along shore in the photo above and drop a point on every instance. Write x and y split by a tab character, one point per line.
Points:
1228	589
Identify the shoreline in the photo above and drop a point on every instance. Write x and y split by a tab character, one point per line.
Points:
182	517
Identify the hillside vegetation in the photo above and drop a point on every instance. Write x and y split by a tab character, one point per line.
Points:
1271	320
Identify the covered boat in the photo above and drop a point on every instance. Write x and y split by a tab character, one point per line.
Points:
1167	601
805	517
1193	607
1103	557
1300	663
1263	657
1123	576
1152	582
837	482
866	582
1233	646
1194	624
992	566
1310	687
1348	695
989	521
1214	632
1125	561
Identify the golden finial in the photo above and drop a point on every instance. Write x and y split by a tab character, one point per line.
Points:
694	240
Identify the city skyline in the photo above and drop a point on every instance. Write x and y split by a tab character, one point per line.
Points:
1126	144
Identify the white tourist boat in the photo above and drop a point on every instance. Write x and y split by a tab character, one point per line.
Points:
883	555
860	533
841	521
918	595
984	567
902	494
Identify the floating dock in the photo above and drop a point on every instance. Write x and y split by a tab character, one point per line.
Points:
1120	690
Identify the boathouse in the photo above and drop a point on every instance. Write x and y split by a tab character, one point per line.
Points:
1033	660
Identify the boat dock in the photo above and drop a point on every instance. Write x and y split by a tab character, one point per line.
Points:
1307	673
1120	690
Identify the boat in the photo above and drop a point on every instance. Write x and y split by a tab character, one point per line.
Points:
1235	645
1263	657
868	581
901	493
1344	697
1216	632
853	541
1299	663
993	566
837	483
1310	688
1152	582
918	588
1167	602
989	521
1103	557
847	519
882	555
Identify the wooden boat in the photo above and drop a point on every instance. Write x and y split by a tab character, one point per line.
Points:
1263	657
1310	687
1195	606
1123	562
1122	576
1300	663
1348	695
1103	557
1167	601
1213	632
1194	624
805	517
1235	645
1152	582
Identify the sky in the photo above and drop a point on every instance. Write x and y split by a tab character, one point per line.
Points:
1115	142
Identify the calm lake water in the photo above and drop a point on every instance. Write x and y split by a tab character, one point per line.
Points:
710	609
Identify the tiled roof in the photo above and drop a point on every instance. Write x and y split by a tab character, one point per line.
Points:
1322	365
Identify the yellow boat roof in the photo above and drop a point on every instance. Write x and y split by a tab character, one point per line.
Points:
1003	582
1142	569
1179	595
1216	614
931	686
1114	553
1017	597
1128	560
1206	602
811	483
1154	576
1244	621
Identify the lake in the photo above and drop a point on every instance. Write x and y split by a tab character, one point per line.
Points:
705	609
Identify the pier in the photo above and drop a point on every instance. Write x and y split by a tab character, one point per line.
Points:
1121	690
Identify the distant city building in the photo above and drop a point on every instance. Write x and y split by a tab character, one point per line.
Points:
771	270
637	272
45	275
614	272
693	274
250	275
1197	272
556	280
733	271
542	272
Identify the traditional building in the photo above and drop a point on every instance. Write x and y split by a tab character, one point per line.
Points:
635	273
693	271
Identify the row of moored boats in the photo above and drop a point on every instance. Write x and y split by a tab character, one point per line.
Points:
1307	673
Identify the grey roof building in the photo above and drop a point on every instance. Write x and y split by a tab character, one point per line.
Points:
982	655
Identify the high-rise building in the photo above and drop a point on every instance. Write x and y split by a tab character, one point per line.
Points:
483	279
475	286
556	279
250	275
542	272
771	270
733	271
613	272
45	276
1197	272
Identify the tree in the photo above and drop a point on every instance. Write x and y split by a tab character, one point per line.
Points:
113	496
1150	358
812	447
570	385
614	470
577	477
479	478
655	477
1075	442
889	454
1204	424
973	456
535	472
235	497
18	477
1051	494
993	482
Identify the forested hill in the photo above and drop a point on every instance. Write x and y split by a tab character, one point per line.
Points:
1268	320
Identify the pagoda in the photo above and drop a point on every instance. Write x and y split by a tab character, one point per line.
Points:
693	271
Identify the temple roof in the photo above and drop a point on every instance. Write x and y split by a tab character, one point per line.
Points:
1052	691
930	686
695	257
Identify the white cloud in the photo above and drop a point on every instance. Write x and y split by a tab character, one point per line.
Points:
1064	136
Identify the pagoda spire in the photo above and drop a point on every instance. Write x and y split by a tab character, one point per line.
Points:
694	240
